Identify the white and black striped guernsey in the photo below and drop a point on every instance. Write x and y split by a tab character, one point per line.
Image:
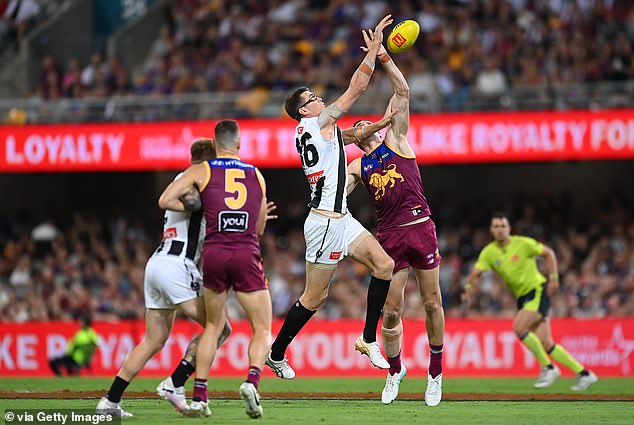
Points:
325	166
183	234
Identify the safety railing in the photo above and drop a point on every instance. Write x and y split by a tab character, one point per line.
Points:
264	103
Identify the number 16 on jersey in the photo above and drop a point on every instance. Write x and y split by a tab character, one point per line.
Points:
307	151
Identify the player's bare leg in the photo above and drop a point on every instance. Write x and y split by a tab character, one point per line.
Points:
318	278
215	303
429	286
195	310
175	383
158	325
257	306
366	250
392	333
558	353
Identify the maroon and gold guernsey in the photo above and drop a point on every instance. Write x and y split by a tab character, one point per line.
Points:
232	199
396	187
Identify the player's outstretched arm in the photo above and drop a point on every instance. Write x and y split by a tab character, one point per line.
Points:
356	134
397	134
400	99
195	177
354	175
394	74
360	79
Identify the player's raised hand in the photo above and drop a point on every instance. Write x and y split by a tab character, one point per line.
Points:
367	39
378	30
374	39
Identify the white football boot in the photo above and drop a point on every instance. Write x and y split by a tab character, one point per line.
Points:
281	368
391	385
106	407
373	351
547	376
584	382
433	394
250	395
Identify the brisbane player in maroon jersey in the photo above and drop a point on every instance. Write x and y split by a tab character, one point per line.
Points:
233	195
389	171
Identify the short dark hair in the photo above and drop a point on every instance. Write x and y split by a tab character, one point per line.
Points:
226	133
293	102
202	150
85	318
499	214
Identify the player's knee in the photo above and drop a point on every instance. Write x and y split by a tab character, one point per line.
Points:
314	301
548	344
155	344
520	331
383	268
320	300
263	335
391	317
432	307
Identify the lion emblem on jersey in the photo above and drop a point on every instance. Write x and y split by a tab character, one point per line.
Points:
381	181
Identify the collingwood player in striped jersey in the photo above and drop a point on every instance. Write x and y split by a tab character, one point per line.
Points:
172	284
330	231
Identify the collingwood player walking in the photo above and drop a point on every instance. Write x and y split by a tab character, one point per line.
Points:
330	231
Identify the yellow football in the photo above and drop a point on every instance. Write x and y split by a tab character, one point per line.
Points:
403	36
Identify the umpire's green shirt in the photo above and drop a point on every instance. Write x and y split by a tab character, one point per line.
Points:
515	263
83	345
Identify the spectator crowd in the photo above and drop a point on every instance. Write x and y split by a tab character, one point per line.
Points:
466	47
60	271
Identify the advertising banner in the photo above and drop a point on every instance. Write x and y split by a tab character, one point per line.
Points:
268	143
326	348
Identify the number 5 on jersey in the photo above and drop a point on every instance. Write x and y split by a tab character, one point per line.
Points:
237	189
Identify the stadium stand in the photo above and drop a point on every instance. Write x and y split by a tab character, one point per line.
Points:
488	55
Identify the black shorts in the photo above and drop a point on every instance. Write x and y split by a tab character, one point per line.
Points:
536	300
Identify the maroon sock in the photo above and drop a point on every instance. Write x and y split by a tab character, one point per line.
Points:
200	390
435	360
254	376
395	364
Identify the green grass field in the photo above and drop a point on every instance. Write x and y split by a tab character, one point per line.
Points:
337	410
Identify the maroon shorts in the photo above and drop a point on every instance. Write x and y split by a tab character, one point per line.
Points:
240	268
415	246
